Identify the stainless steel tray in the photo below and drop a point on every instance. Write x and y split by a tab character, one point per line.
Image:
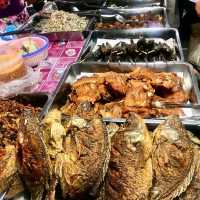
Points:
78	69
164	33
136	3
30	25
132	12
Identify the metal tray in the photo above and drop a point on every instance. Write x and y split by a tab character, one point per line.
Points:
29	25
164	33
78	69
136	3
132	12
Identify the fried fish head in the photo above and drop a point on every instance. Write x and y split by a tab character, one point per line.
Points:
33	161
83	164
174	160
129	174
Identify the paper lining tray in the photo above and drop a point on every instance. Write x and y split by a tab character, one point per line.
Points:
182	69
116	36
132	12
135	3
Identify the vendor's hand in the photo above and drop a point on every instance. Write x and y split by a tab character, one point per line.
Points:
197	7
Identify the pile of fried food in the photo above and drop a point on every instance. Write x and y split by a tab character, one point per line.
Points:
146	20
143	50
114	95
85	158
59	21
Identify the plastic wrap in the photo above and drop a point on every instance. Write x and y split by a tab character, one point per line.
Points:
15	77
19	86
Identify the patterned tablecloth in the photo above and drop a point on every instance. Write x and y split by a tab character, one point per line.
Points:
61	55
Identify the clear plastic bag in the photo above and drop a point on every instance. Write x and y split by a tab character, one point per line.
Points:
19	86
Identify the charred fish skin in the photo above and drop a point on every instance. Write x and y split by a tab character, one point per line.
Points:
129	174
33	161
174	160
84	162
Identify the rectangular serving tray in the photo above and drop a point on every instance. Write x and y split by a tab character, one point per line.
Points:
148	33
78	70
131	12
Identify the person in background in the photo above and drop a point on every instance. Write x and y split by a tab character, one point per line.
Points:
189	14
15	10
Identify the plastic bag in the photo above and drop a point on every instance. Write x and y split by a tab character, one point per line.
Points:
19	86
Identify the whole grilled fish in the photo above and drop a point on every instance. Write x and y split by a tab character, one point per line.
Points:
83	164
129	174
32	155
174	160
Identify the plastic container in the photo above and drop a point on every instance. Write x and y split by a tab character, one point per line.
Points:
33	58
15	76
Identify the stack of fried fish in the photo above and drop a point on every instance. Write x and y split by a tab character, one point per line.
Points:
84	158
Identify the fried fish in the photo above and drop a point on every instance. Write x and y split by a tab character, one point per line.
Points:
129	174
32	155
174	160
193	190
83	164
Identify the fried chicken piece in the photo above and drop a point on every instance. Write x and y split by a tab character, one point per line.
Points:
165	80
116	82
89	89
111	110
139	94
177	98
143	74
